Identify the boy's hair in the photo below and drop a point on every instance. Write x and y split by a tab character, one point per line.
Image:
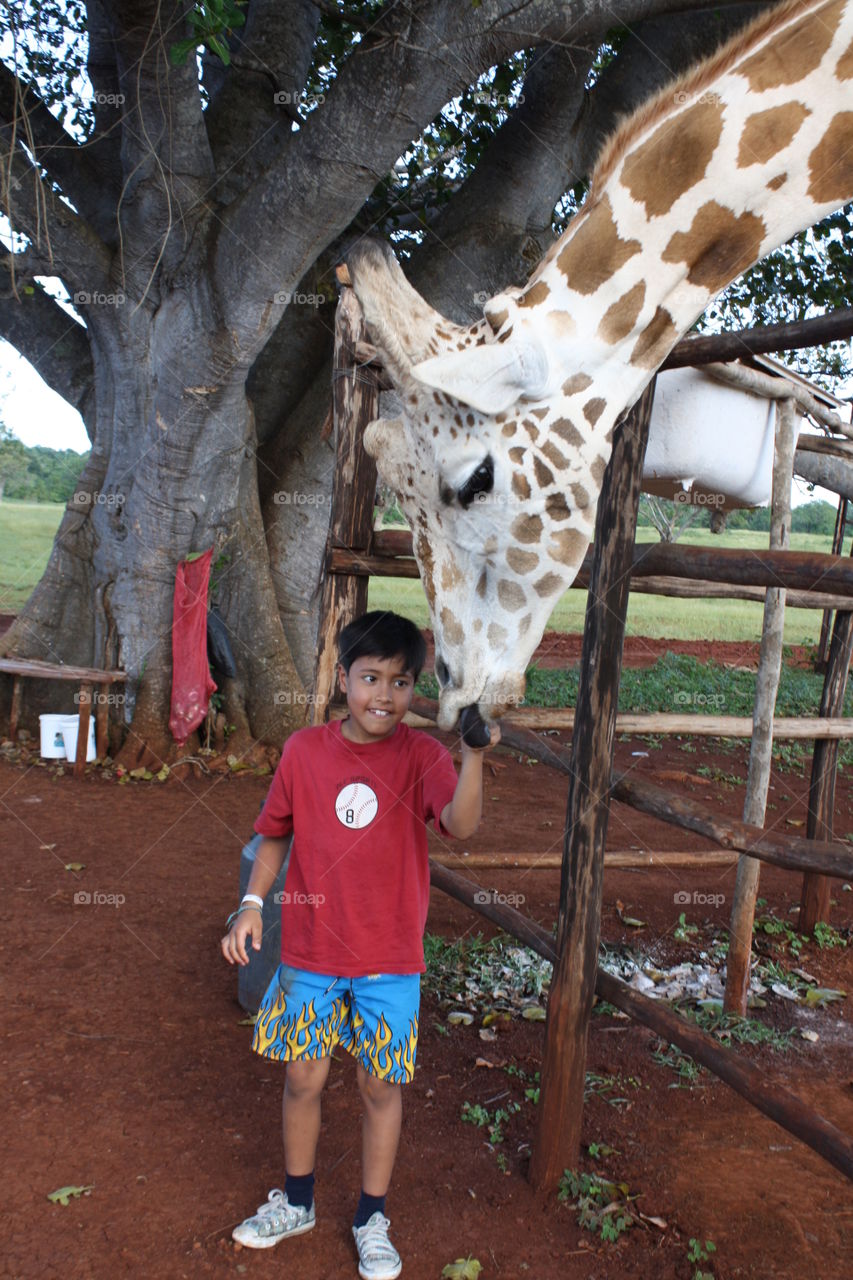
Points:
380	634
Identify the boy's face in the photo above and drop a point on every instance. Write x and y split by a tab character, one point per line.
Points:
379	691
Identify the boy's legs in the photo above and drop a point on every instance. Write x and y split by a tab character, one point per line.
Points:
300	1112
380	1130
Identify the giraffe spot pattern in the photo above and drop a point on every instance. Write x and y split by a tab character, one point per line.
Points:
526	528
531	429
524	624
792	55
452	627
552	453
556	507
521	561
496	319
535	295
593	410
544	476
568	432
831	162
596	251
510	595
509	429
779	181
844	69
675	157
620	318
766	133
655	340
540	413
597	470
497	635
718	246
451	575
520	485
576	383
548	585
567	546
580	496
481	585
423	551
517	454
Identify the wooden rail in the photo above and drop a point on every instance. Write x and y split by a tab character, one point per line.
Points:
755	1083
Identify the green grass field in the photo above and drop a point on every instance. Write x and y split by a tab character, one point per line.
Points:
27	531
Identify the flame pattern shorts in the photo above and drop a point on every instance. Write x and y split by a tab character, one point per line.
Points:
375	1018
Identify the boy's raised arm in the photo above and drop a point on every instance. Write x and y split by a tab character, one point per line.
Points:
462	816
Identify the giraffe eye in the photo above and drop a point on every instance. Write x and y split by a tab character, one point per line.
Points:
479	482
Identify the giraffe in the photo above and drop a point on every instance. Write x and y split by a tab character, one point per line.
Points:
506	425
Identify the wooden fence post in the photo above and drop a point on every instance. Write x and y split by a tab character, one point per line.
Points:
815	893
559	1114
355	399
761	747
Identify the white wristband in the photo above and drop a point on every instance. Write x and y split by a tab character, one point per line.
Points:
253	897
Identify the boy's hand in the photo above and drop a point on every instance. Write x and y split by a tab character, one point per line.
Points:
494	739
248	924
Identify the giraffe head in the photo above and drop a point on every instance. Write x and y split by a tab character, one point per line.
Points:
496	469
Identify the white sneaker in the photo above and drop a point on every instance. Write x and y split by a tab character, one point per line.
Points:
377	1257
273	1221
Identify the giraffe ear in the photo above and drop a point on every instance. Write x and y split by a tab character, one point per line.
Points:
489	378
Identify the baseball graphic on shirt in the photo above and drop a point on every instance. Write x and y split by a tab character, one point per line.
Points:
356	805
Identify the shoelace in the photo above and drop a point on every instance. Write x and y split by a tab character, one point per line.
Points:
373	1240
277	1214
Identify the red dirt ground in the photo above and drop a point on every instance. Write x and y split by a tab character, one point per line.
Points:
128	1067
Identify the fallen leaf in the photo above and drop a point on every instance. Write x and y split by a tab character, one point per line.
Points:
144	774
628	920
817	997
75	866
462	1269
811	1036
488	1033
47	846
63	1194
460	1018
534	1013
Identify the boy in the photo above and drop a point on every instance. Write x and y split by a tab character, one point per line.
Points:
357	795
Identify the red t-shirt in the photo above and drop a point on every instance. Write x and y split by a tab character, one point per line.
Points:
357	888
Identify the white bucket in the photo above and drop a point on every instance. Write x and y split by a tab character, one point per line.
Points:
70	725
52	740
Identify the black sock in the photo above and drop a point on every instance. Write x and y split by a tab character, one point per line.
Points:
299	1190
367	1206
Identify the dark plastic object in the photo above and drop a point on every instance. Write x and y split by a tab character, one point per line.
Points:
219	653
254	978
475	731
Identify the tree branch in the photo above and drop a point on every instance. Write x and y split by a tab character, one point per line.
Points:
392	85
55	345
58	234
253	102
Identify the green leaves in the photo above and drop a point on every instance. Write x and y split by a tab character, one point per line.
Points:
64	1194
462	1269
212	22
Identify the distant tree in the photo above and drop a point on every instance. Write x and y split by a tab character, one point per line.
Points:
13	460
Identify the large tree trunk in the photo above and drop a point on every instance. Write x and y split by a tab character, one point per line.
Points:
173	472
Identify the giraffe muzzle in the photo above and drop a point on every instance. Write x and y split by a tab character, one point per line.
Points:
475	731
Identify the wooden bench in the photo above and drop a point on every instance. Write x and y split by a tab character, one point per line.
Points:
86	677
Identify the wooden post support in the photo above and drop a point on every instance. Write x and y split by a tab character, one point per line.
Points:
558	1128
826	621
355	398
102	715
15	709
815	893
85	712
766	688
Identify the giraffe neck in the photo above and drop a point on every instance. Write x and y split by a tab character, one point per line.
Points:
722	168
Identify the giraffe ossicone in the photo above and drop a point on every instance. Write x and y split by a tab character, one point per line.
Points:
506	425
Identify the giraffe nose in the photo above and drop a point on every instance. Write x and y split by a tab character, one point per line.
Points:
442	673
475	731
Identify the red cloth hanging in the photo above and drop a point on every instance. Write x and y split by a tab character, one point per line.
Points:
192	683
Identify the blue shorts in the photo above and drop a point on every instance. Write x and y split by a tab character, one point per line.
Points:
304	1015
